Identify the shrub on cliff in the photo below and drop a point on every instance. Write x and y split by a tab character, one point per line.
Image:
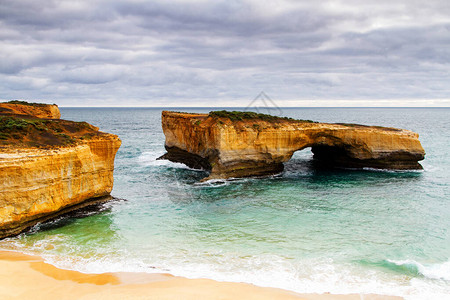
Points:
16	124
250	115
26	103
32	132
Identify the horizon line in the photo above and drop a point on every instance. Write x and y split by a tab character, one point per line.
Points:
168	107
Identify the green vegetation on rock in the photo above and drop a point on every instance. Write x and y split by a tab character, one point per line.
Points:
26	103
35	132
249	115
17	124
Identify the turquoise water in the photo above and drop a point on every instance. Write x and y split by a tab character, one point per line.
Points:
306	230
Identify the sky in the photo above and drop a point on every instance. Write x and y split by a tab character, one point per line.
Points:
224	53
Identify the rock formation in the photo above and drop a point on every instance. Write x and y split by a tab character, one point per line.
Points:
238	144
49	167
38	110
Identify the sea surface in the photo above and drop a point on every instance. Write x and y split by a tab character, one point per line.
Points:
307	230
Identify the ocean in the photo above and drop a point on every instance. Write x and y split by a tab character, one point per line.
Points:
307	230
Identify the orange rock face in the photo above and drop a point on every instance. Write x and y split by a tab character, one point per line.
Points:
254	147
39	183
46	111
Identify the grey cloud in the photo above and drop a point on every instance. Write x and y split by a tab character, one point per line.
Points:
93	74
408	49
233	49
49	14
11	66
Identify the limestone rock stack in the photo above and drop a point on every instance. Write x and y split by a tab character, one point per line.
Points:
41	181
246	144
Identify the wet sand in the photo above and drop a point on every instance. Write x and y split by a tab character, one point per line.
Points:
29	277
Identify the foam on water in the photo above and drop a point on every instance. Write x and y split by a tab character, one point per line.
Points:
150	159
433	271
309	276
212	183
387	170
413	281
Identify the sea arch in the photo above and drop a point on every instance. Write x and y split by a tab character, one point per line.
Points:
229	147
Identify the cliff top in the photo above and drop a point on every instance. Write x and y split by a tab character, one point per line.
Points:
39	110
25	125
245	117
20	102
25	131
249	115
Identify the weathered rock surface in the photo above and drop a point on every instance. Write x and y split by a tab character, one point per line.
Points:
38	110
255	147
39	183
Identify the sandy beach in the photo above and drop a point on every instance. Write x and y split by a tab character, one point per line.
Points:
29	277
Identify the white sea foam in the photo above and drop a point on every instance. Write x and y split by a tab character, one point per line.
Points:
386	170
150	159
302	276
432	271
305	276
222	182
309	276
212	183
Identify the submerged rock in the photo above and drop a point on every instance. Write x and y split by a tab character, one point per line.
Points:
242	144
49	167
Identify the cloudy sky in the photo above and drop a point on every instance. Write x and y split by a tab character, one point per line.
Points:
223	53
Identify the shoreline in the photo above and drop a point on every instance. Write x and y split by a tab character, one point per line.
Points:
29	277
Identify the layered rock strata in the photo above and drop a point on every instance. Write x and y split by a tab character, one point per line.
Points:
240	147
38	183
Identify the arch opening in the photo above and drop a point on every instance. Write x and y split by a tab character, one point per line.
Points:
325	157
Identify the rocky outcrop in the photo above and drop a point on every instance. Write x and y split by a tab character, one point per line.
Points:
38	110
243	144
41	182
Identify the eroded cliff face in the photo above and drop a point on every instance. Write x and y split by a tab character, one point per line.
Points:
41	182
254	147
38	110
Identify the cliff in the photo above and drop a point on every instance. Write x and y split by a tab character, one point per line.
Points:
38	110
236	144
50	167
